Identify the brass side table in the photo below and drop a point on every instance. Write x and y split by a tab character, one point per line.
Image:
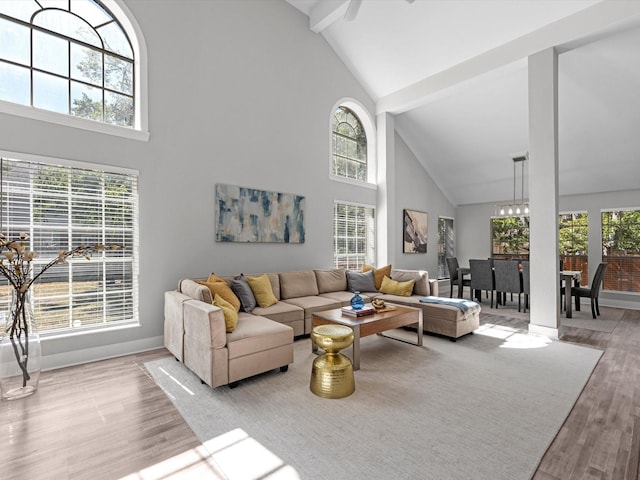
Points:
332	372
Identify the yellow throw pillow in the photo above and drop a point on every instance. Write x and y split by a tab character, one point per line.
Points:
224	290
214	278
230	313
392	287
378	273
261	288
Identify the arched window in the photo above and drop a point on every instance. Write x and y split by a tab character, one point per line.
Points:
351	129
71	57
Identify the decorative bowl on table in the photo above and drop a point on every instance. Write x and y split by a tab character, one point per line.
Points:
378	303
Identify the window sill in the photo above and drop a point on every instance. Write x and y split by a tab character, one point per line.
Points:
89	330
71	121
351	181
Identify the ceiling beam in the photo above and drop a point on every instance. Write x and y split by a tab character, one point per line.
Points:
566	33
325	13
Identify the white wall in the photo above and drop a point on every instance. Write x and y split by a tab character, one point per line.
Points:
240	92
473	232
416	190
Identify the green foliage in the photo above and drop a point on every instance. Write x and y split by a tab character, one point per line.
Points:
621	233
573	233
510	235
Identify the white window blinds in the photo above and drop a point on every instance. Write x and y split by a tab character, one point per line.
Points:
62	207
353	235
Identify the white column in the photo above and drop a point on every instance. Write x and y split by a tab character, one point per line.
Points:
385	204
543	193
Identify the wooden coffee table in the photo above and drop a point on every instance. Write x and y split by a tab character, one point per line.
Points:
367	325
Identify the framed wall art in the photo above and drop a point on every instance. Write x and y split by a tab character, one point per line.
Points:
414	232
250	215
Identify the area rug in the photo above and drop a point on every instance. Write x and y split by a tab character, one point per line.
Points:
485	407
606	322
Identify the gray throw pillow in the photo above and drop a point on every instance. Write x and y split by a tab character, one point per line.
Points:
361	281
241	288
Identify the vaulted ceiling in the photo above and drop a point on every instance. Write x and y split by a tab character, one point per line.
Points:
454	74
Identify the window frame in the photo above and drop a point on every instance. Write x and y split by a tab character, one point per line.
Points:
139	131
369	238
103	261
574	261
368	125
445	225
613	275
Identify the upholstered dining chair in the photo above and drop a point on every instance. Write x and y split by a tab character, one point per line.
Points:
453	266
481	278
592	292
526	283
507	273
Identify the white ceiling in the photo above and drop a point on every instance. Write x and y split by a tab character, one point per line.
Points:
455	75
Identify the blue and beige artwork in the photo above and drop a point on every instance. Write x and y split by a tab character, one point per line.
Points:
251	215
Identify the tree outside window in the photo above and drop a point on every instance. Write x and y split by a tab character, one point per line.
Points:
510	237
621	249
573	241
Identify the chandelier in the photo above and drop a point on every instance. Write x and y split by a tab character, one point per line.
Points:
515	208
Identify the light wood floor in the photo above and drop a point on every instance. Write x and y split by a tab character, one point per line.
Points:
107	420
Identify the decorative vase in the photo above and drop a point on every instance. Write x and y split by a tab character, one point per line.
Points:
20	350
357	302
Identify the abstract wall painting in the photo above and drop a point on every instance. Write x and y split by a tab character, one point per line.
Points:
251	215
414	232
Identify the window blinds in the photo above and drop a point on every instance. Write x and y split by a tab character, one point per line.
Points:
62	207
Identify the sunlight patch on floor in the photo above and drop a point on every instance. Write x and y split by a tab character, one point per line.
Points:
176	381
512	337
231	456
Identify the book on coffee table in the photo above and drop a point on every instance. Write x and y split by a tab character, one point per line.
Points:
358	313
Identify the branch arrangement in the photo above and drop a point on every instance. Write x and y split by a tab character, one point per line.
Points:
16	266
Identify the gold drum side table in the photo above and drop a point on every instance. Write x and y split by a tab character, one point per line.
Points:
332	372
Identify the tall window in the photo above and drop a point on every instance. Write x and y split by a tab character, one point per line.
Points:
67	56
349	145
621	249
446	245
510	237
573	241
353	235
62	207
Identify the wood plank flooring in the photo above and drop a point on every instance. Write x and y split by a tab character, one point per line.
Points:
109	420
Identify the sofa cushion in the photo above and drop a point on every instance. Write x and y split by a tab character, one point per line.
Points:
378	273
241	288
421	277
196	291
223	289
361	281
297	284
313	304
281	312
334	280
394	287
230	312
261	288
255	334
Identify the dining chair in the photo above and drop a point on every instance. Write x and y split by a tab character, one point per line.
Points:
508	279
526	283
592	292
453	266
481	278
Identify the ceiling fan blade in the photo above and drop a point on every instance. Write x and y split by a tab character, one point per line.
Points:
352	10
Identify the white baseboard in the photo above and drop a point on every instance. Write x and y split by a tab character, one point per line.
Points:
77	357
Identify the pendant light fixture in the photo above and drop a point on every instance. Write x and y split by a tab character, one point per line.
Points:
515	208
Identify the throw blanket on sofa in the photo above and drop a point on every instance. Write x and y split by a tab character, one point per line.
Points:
461	303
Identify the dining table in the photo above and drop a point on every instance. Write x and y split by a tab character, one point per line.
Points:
570	278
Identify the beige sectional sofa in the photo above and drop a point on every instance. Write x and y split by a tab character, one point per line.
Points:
194	329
